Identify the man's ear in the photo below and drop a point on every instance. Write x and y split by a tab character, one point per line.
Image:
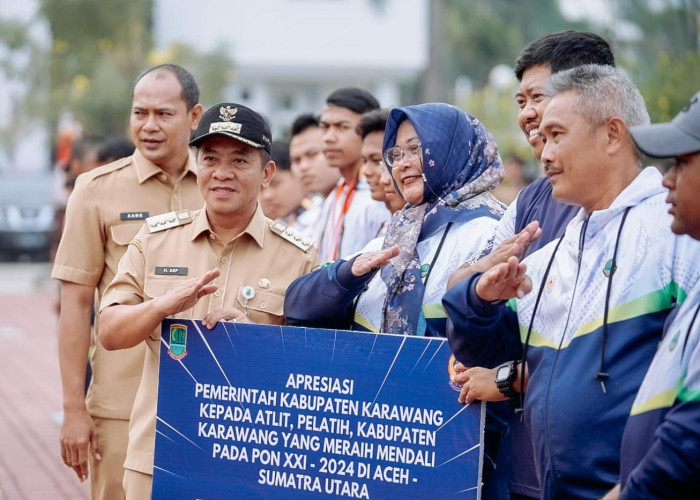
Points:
617	133
268	172
197	112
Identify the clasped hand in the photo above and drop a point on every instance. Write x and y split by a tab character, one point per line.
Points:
477	384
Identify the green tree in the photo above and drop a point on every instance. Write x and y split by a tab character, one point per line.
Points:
670	84
22	59
213	70
664	61
98	49
480	34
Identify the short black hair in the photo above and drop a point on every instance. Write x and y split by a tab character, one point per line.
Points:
355	99
114	148
304	122
372	121
279	152
565	50
190	89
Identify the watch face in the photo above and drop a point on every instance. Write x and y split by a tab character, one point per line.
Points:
502	373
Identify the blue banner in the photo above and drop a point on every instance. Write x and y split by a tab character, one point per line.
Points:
259	411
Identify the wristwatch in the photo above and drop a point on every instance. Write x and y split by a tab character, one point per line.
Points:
505	375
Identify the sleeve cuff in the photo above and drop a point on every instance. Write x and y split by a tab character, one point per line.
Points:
481	307
347	280
73	275
117	297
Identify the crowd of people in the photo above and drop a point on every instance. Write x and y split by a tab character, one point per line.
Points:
572	311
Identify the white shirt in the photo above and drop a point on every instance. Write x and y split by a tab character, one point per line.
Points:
354	229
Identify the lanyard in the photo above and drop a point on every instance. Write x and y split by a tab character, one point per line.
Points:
421	327
338	226
690	328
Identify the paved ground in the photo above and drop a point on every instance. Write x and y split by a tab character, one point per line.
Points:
30	390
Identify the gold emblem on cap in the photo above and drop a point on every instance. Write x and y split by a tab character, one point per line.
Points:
264	283
226	113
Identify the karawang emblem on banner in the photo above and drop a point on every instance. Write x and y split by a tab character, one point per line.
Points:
178	341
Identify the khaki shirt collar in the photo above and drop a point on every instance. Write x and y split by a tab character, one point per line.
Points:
146	169
255	228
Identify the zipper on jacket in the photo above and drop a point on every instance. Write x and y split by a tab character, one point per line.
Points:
582	238
581	242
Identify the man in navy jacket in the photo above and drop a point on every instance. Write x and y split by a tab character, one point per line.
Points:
661	442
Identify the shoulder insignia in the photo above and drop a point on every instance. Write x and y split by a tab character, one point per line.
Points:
296	238
168	220
137	244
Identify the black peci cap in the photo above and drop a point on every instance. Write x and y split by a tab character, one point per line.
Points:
236	121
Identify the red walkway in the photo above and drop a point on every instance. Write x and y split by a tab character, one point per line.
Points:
30	396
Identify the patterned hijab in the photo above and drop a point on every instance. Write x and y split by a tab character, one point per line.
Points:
461	165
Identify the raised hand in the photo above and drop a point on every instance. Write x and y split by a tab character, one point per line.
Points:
187	293
366	262
504	281
516	245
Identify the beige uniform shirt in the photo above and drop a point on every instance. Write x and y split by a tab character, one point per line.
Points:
105	211
157	262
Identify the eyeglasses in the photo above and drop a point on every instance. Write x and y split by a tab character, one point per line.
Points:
396	154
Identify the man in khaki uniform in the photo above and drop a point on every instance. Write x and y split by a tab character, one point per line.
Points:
224	262
105	211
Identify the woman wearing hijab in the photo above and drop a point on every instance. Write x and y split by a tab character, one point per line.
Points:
444	164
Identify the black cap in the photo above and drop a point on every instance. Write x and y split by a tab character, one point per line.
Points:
236	121
678	137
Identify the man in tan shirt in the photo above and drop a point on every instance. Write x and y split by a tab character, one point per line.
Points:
105	211
224	262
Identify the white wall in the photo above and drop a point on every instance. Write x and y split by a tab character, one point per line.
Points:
302	33
290	54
